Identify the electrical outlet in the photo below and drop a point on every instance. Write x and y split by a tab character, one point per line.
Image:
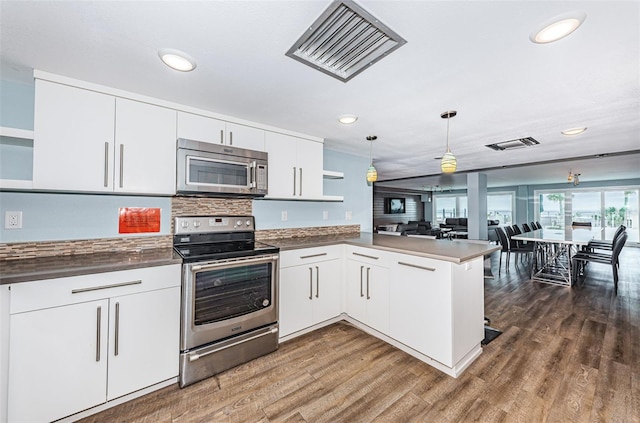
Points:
283	216
325	215
348	215
13	220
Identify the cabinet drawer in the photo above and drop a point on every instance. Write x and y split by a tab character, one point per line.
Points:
310	255
369	255
46	293
428	267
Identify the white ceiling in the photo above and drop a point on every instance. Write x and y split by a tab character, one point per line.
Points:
471	56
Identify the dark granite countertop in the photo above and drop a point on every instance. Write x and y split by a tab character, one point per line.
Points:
14	271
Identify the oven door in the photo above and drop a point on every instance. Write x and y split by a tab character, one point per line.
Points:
225	298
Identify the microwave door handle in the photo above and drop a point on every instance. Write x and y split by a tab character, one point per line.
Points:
252	174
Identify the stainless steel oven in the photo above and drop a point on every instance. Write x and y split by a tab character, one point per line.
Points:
229	295
204	168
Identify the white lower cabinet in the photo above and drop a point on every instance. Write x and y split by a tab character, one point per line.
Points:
437	307
310	287
78	342
420	306
368	288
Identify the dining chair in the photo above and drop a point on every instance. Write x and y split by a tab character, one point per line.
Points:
580	259
509	246
526	228
538	225
595	244
581	224
516	229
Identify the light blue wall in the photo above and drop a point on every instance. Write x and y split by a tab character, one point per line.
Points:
16	105
54	217
357	194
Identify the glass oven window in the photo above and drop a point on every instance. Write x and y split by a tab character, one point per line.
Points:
213	172
222	294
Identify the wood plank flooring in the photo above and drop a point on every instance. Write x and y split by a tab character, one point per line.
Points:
566	355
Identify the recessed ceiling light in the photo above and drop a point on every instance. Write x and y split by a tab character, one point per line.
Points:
347	119
177	59
557	27
573	131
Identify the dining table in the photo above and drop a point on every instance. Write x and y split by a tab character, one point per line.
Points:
553	250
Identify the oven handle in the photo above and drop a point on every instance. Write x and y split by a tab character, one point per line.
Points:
222	263
194	356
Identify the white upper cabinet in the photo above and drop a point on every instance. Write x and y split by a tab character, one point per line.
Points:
215	131
145	150
94	142
295	167
73	138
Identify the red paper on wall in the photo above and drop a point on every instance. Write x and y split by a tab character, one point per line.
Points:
135	220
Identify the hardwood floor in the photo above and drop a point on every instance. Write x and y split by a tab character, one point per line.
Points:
566	355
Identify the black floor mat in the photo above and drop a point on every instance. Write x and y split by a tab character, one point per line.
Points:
490	334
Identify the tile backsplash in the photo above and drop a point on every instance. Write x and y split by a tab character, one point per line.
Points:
180	206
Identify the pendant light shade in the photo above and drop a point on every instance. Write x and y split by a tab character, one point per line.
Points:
449	162
372	173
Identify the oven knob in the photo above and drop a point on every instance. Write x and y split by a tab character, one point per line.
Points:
248	223
239	223
196	223
265	302
184	224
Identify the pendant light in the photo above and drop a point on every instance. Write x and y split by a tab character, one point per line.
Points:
372	173
570	177
449	162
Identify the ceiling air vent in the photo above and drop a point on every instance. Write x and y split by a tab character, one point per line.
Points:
344	41
513	144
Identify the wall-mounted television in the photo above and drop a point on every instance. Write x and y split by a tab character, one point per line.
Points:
394	206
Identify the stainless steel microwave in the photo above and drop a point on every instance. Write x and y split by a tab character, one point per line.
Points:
212	169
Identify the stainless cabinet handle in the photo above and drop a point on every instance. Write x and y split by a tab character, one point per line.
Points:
364	255
116	337
317	282
113	285
98	318
361	292
313	255
431	269
368	297
106	164
221	136
300	181
230	137
121	164
310	283
294	181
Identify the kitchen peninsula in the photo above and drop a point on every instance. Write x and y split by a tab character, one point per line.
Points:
424	296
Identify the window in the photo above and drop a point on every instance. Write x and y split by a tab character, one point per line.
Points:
604	208
500	207
449	206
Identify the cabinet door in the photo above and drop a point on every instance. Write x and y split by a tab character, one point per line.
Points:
377	296
420	308
282	170
58	363
309	160
245	137
201	128
73	138
356	295
144	340
296	296
145	151
327	290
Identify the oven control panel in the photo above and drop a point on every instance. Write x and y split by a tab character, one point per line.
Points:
208	224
